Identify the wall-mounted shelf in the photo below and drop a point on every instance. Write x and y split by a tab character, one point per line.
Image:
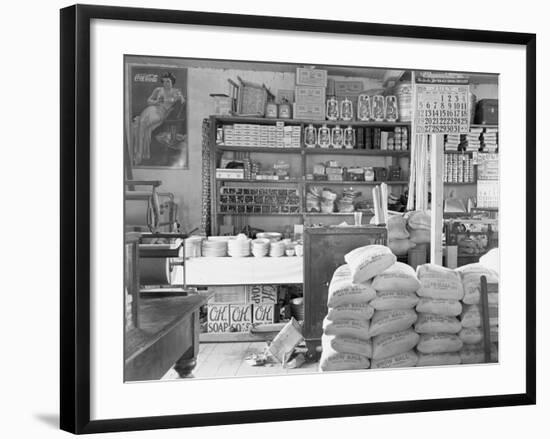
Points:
299	159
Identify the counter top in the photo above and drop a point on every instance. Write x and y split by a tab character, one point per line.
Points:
242	271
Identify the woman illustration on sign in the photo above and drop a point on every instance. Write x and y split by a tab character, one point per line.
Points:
160	104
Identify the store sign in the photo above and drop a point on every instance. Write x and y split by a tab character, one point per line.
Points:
442	106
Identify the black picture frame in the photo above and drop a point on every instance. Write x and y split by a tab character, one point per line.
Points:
75	217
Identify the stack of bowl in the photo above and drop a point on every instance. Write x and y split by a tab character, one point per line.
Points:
277	249
260	247
239	247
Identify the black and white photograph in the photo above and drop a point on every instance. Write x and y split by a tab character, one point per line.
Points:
322	218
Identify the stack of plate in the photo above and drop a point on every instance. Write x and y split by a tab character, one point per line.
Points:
277	249
214	248
193	246
238	247
260	247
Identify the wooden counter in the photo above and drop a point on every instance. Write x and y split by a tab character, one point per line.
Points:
168	334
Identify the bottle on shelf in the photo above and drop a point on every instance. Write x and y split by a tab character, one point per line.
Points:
391	108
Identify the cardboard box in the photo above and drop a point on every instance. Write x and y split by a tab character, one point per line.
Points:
309	76
310	95
266	294
309	111
348	88
264	313
240	317
228	294
218	318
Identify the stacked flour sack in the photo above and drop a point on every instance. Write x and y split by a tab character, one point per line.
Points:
438	326
393	336
346	340
471	316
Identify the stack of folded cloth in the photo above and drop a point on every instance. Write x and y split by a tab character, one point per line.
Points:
452	142
489	140
471	140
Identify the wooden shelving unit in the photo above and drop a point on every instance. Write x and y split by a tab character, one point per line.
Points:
302	154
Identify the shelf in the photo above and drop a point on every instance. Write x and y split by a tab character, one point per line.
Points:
337	213
480	125
357	183
263	120
260	214
265	149
369	152
240	180
469	183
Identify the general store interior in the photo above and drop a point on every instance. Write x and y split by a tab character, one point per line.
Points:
232	248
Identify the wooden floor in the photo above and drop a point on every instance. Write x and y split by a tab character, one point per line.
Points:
219	360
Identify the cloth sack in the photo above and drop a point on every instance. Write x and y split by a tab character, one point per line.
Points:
444	307
471	281
438	282
358	311
333	361
406	359
398	277
369	261
389	321
440	359
387	300
389	345
434	323
343	291
437	343
400	247
347	328
345	344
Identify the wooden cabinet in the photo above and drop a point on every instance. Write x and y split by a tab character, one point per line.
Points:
324	250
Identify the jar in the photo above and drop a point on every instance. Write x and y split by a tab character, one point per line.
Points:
346	110
337	138
285	112
378	112
271	110
364	110
332	109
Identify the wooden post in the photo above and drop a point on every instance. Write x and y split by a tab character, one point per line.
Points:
437	163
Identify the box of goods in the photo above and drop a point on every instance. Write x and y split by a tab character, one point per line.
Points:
348	88
309	111
223	104
312	77
218	318
310	95
230	173
240	317
228	294
487	112
264	313
266	294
